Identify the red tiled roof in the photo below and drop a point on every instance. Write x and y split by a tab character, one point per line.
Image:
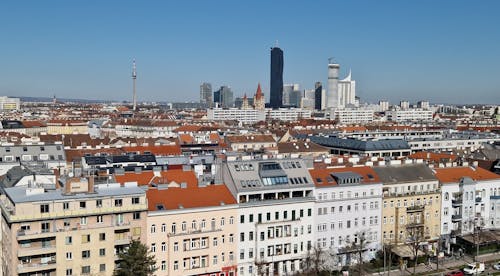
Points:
190	197
327	180
434	157
455	174
250	139
30	124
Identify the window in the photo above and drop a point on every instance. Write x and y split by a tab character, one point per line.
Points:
98	203
65	205
176	265
86	254
174	228
102	267
153	228
86	269
163	265
102	236
137	215
193	224
163	227
153	247
242	237
183	226
242	219
163	246
69	240
69	256
86	238
102	252
83	220
231	220
215	241
118	202
135	200
99	219
250	217
214	260
83	204
69	272
44	208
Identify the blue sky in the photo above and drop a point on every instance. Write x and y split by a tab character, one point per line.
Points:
443	51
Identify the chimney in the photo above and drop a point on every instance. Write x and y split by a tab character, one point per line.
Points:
57	173
91	184
67	186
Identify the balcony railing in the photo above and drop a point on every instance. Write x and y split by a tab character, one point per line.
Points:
415	208
456	202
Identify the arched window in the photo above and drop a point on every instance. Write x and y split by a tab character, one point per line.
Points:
446	196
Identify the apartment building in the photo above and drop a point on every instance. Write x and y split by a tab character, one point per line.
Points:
50	155
67	127
348	213
192	228
74	230
411	206
255	142
275	214
469	199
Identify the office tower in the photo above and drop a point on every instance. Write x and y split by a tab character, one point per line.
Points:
276	89
384	105
291	95
424	105
217	100
224	96
258	99
333	99
347	91
318	96
206	93
404	104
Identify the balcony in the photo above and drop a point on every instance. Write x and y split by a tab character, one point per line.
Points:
33	251
455	218
415	225
123	240
415	208
29	234
456	203
479	199
33	267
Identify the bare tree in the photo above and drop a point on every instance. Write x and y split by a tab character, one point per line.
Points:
414	240
314	262
261	267
358	247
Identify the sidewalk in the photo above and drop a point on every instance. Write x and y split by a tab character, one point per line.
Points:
446	264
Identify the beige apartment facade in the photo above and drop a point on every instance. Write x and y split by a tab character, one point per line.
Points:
75	230
411	207
194	241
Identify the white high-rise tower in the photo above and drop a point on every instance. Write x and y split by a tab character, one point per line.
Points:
134	77
333	97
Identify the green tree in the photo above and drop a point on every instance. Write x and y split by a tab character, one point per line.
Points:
135	261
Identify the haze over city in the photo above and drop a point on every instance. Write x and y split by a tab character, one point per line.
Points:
444	51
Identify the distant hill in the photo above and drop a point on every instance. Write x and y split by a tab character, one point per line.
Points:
47	99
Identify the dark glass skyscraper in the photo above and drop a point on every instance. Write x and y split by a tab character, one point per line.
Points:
318	95
276	78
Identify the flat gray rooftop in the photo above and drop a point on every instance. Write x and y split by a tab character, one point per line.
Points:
18	194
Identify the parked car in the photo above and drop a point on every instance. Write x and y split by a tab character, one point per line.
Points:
496	266
455	273
474	268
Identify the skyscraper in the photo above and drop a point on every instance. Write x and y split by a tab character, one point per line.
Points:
318	96
224	96
206	93
333	97
347	91
276	88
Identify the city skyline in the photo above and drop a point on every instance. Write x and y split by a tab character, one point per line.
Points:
442	52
